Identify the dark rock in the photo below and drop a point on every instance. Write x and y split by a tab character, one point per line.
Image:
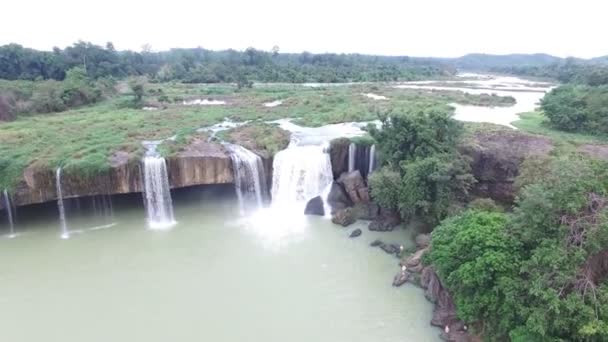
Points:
400	278
386	221
391	248
496	157
376	243
315	207
355	187
344	217
338	154
366	211
414	259
423	240
355	233
337	198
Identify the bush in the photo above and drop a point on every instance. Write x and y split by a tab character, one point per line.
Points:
6	109
385	186
485	204
578	108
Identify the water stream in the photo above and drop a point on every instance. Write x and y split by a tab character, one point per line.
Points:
9	213
352	154
157	194
65	233
249	176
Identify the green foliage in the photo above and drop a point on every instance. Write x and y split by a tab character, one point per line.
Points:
385	185
205	66
578	108
485	204
477	260
418	133
419	145
538	274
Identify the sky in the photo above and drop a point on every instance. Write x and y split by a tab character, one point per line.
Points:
441	28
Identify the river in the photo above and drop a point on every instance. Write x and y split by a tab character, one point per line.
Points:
215	276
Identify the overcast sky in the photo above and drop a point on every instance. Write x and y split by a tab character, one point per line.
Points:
394	27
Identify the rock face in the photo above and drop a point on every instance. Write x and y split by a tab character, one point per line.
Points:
338	153
355	187
496	157
200	163
344	217
337	198
315	207
386	221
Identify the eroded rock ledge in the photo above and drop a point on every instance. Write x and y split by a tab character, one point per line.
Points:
200	163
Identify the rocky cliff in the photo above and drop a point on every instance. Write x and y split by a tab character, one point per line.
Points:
199	163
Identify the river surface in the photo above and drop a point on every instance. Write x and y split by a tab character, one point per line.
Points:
527	95
215	276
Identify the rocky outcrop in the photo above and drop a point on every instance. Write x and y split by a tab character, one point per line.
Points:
344	217
337	198
200	163
338	153
444	314
315	207
355	187
385	221
496	157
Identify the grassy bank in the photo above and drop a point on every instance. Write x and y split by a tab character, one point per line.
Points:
83	139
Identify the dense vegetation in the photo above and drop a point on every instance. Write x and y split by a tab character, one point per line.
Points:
424	175
205	66
538	274
578	108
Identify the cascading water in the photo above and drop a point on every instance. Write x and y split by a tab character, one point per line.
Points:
352	157
300	173
9	210
249	176
157	194
65	234
372	159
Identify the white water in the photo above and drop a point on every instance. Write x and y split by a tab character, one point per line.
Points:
376	97
372	159
273	104
300	173
157	194
527	95
249	176
65	234
352	155
9	210
203	102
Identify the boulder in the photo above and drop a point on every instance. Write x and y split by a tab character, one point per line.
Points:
337	198
344	217
414	259
387	220
355	187
423	240
376	243
400	278
366	211
391	248
355	233
315	207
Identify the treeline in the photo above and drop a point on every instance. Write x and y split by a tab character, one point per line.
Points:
569	71
200	65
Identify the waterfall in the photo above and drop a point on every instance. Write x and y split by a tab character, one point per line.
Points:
300	173
372	159
9	210
249	176
352	156
64	225
157	195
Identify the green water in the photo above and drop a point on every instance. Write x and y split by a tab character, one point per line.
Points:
214	277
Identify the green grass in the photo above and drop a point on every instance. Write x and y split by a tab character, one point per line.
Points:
82	140
537	123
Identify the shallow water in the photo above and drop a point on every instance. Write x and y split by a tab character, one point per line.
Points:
216	276
527	95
